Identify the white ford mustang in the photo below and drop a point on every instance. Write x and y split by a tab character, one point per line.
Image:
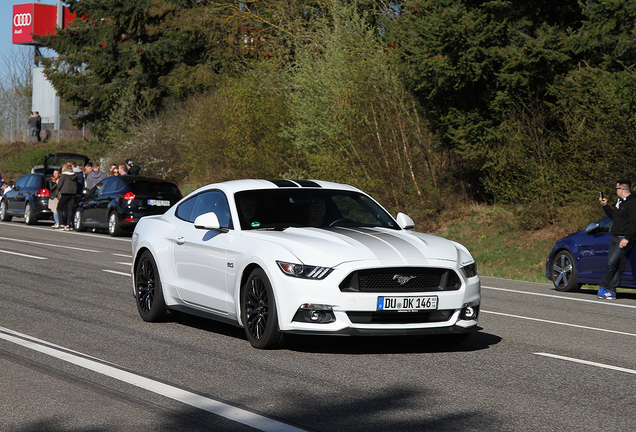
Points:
304	257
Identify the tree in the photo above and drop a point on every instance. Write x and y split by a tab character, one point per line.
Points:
16	86
468	61
123	59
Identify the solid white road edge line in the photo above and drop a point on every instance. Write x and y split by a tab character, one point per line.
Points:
585	362
48	244
96	365
560	323
597	301
117	272
23	255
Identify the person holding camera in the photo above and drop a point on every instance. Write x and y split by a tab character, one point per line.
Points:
623	236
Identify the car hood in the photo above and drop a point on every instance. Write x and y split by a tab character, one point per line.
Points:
333	246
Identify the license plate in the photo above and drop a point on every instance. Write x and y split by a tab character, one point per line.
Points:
407	303
155	202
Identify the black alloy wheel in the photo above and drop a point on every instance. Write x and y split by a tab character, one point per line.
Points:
258	307
564	272
150	302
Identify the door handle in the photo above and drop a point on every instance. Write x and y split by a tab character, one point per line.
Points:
180	240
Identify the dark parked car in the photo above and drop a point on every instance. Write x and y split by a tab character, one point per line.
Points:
28	198
118	202
580	259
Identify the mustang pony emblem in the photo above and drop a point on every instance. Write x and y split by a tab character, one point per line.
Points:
403	279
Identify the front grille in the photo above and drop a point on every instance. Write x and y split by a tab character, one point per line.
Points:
401	279
399	317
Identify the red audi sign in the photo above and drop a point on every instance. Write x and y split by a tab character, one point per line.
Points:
34	19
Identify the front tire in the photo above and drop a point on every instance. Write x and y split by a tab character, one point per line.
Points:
113	225
564	272
150	302
29	217
77	221
258	308
3	212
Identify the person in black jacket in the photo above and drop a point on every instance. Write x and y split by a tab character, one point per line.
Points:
623	237
131	168
67	186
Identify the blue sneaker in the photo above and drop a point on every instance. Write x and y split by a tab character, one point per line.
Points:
606	294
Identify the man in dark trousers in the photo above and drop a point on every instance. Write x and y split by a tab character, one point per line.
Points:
623	237
38	125
33	124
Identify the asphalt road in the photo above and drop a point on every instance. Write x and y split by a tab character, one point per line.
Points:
76	357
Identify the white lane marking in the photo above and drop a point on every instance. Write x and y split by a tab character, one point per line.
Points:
22	255
117	272
585	362
122	255
561	323
597	301
117	372
49	244
17	225
123	263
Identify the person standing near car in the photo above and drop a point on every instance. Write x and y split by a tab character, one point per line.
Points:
33	127
54	199
67	185
623	236
95	176
131	168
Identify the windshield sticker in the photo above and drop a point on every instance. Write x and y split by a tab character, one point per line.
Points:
256	224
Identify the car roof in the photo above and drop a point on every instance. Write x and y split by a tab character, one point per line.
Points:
131	178
233	186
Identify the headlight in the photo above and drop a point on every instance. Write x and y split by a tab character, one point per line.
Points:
470	270
304	271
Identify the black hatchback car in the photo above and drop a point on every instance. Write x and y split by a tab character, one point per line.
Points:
118	202
28	198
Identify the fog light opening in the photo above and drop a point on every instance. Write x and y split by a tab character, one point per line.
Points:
470	312
315	313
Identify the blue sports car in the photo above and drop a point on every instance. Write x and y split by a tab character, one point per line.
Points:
580	259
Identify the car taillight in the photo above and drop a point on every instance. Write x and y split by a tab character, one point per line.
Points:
129	196
42	193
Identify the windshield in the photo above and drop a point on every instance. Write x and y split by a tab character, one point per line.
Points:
283	208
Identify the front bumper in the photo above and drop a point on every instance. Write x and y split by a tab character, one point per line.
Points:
355	313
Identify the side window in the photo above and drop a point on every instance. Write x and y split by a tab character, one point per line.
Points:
22	181
111	185
185	208
97	189
210	201
33	182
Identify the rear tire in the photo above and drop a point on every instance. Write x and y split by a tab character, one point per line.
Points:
258	309
3	212
29	217
113	225
77	221
150	302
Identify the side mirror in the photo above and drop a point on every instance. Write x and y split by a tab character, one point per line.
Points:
405	222
208	221
592	228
